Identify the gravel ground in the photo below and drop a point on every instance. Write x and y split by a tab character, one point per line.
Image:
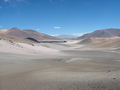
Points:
78	70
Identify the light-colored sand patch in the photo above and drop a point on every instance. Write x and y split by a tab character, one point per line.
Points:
69	60
24	48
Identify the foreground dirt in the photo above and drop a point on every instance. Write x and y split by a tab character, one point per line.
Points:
78	70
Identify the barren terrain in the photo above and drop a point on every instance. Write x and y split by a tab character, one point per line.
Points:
67	66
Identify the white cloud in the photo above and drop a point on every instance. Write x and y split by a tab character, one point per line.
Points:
0	26
0	7
78	34
14	2
6	0
54	35
38	29
57	27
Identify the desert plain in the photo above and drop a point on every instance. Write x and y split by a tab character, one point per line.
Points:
74	65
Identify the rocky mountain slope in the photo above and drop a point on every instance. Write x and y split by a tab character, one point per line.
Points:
104	33
25	33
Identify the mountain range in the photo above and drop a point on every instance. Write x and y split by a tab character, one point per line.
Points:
36	36
66	36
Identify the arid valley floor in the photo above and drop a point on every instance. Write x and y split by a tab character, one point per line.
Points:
53	66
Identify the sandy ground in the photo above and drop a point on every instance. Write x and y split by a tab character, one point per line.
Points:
69	69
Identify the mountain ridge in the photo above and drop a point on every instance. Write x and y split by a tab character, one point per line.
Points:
26	33
103	33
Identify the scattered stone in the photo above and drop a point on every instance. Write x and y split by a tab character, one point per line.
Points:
114	78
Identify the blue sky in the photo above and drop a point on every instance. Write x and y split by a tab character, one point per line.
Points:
60	16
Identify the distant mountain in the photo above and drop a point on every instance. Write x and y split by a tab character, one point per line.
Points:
104	33
24	33
66	36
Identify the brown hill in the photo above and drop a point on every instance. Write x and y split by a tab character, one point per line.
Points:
23	33
109	43
15	39
92	40
104	33
94	43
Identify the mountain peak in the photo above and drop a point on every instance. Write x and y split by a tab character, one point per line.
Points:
103	33
26	33
14	28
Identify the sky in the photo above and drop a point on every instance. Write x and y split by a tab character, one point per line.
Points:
55	17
